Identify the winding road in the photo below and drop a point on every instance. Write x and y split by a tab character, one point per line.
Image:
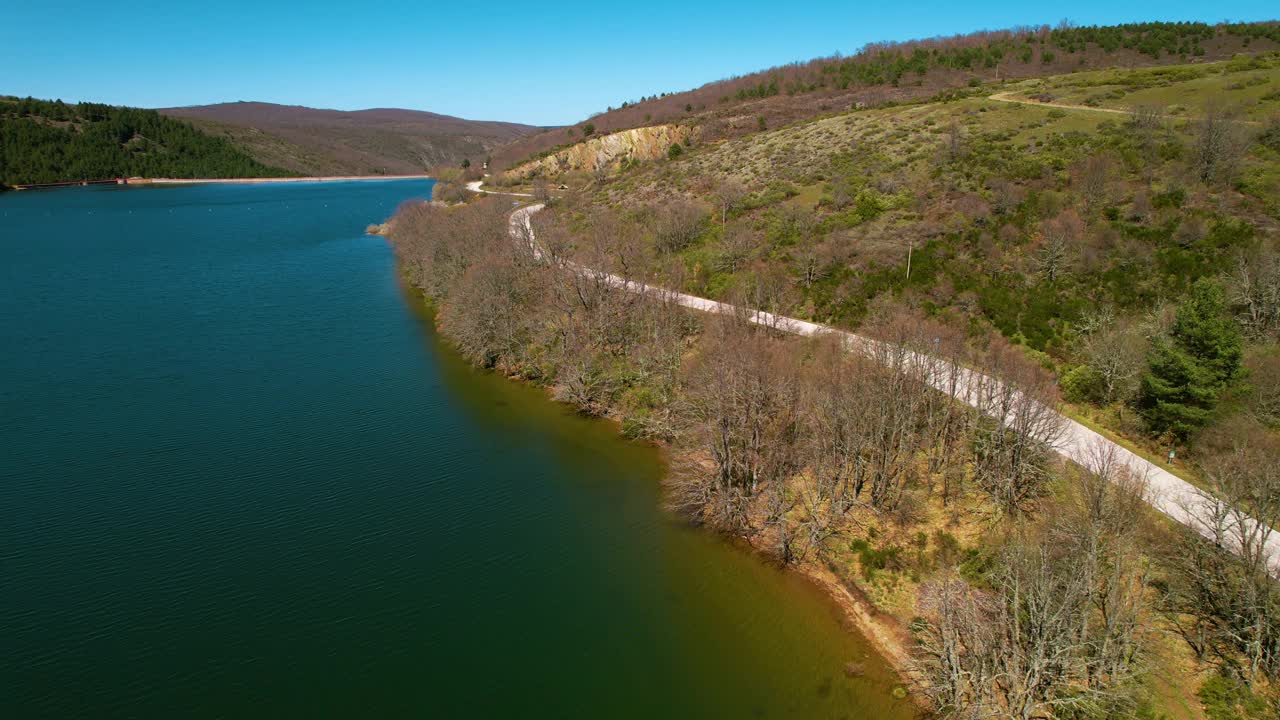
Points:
1166	492
1007	97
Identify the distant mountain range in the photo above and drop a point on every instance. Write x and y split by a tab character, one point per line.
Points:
313	141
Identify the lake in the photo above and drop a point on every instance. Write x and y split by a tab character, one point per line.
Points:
241	476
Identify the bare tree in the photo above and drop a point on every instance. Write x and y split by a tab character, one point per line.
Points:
955	141
1116	352
1222	595
1100	529
1060	238
729	194
739	402
1017	650
1011	449
676	224
811	258
1255	293
735	247
1092	176
1263	391
1221	143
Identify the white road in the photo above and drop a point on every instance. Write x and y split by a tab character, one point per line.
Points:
1166	492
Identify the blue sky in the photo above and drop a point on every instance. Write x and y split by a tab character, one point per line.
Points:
540	63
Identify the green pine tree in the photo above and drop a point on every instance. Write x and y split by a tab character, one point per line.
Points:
1188	371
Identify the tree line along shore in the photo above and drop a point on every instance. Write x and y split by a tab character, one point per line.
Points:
1120	266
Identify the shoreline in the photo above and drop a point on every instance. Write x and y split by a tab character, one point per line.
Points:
260	181
141	182
884	633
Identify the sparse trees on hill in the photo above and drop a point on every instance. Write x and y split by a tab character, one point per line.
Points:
1057	627
1222	595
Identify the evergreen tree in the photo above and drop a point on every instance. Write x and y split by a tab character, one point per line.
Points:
1189	369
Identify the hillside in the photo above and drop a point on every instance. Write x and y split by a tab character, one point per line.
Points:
46	142
327	142
898	72
1105	242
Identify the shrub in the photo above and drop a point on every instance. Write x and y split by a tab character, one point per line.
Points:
1172	198
1227	699
1082	384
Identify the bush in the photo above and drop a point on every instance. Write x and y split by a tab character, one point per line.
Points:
1172	198
675	151
1227	699
1082	385
872	560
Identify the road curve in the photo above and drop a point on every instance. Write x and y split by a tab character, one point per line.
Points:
1008	98
1166	492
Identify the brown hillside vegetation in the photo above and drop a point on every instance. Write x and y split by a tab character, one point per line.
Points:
896	72
1105	241
364	142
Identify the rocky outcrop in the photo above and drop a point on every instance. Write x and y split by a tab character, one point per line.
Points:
606	151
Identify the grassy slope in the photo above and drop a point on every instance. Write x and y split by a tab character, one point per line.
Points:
275	150
973	261
810	89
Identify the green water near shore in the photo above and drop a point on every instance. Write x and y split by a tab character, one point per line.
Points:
243	477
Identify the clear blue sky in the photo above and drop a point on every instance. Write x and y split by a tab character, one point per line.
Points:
534	62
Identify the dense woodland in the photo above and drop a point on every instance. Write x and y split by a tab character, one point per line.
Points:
1116	258
50	141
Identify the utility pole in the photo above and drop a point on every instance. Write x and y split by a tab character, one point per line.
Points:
910	245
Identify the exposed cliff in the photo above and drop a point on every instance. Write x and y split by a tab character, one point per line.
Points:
646	143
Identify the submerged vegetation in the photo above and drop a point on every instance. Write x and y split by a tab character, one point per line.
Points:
51	141
1122	258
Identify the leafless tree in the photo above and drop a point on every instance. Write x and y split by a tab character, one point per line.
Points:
740	404
811	258
1060	239
1116	352
729	194
955	141
1255	293
1017	650
676	224
1221	143
1092	177
1011	449
1222	595
736	245
1263	390
491	310
1100	529
1148	117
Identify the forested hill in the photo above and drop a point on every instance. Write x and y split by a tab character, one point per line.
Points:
883	73
43	141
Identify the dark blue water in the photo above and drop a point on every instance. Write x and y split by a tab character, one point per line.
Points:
240	476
